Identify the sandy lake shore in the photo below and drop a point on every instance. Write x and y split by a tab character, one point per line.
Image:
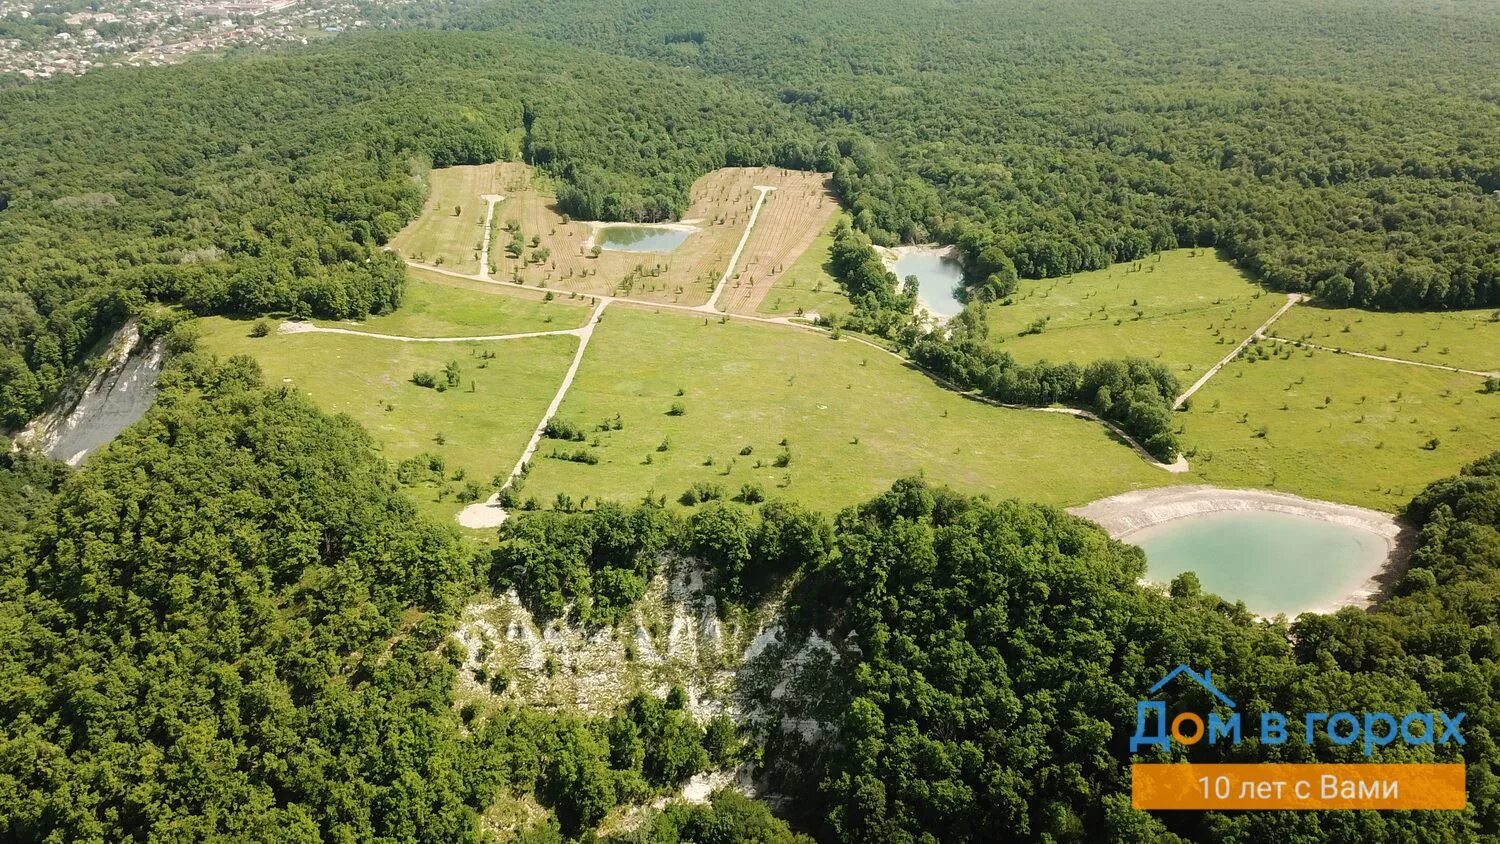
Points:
1123	516
889	255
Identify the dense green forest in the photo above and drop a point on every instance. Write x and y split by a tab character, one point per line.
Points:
231	624
1351	149
1003	646
269	183
1326	153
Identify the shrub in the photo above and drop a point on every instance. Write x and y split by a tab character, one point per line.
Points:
702	491
424	379
562	429
677	409
581	455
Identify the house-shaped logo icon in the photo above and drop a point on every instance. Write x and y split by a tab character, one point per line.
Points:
1205	680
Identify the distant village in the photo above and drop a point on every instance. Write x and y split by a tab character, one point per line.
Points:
45	40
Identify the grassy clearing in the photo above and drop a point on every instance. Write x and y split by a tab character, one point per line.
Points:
1186	308
479	427
436	305
529	217
535	246
854	419
807	286
1338	428
441	237
1463	339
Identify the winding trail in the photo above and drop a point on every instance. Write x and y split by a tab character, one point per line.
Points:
1367	356
490	514
1291	299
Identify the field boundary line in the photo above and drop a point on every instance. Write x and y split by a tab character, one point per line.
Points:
308	328
1291	299
1383	358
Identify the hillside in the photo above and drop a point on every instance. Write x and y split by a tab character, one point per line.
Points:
540	446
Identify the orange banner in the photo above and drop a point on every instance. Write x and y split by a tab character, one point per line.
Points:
1289	786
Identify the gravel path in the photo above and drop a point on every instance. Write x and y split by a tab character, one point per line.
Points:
712	305
1303	343
1291	299
490	514
491	199
308	328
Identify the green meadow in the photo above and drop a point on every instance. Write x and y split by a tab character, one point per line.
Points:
436	305
478	427
1186	308
801	416
807	286
796	414
1336	427
450	230
1464	339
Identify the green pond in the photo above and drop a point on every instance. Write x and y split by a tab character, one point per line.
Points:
641	238
1274	562
938	280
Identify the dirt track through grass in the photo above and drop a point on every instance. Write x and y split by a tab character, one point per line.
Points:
713	300
1291	299
1385	359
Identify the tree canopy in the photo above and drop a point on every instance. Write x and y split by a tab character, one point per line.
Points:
1352	153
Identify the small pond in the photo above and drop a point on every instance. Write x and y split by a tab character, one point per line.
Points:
938	277
640	238
1274	562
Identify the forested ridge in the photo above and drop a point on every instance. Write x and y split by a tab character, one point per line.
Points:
269	183
231	624
1351	153
1349	148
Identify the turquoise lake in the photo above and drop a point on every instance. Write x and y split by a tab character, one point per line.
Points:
640	238
938	278
1274	562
